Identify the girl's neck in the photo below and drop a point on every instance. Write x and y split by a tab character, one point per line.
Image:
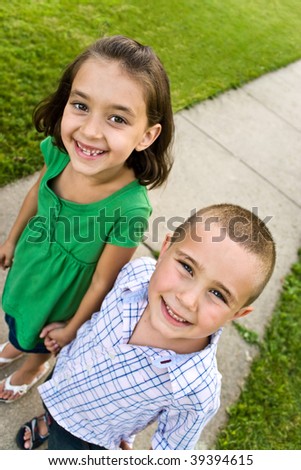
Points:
86	189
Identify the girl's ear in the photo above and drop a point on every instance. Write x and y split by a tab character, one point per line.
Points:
149	137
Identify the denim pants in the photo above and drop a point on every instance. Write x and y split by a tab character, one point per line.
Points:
60	439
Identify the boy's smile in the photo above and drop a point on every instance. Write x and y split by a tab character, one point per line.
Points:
197	287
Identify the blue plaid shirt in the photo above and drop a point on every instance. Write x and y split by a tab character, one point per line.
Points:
104	390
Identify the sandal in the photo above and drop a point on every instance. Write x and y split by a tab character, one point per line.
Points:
21	389
36	439
6	361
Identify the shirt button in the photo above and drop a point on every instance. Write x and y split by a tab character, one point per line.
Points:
162	362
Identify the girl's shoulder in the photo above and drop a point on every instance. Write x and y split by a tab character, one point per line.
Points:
53	156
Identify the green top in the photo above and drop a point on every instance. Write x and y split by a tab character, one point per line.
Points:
58	251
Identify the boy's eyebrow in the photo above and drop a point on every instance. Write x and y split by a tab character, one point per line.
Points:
230	296
118	107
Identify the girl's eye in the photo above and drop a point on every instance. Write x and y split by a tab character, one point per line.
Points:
218	295
186	267
80	106
117	120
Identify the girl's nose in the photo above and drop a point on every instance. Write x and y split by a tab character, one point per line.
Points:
92	127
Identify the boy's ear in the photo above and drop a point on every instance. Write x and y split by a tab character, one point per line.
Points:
149	137
243	312
165	245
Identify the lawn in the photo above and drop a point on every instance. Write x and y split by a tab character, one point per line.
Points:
207	47
270	405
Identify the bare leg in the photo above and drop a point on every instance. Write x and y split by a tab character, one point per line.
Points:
32	366
9	352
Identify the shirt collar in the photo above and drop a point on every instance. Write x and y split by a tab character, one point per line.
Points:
187	371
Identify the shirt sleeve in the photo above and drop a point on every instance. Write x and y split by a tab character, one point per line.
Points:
128	230
51	153
180	428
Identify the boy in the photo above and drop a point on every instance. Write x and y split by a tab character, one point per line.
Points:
150	353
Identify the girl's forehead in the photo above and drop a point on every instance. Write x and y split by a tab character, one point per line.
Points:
103	62
110	72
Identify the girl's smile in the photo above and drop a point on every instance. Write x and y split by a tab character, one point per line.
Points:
104	120
85	151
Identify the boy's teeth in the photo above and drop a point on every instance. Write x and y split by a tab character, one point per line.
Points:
174	315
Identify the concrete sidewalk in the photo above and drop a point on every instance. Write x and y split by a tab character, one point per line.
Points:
242	147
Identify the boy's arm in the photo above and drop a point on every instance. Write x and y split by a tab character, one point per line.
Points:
112	259
28	210
180	428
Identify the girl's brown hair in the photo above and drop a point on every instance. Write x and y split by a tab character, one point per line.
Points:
151	166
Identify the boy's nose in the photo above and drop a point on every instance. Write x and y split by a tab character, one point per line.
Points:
189	299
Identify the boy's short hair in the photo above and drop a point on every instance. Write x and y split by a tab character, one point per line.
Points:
241	226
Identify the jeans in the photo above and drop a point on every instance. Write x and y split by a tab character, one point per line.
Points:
60	439
39	348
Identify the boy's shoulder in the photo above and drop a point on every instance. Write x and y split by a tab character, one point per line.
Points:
138	270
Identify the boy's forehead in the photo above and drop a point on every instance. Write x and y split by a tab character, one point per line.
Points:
201	234
201	239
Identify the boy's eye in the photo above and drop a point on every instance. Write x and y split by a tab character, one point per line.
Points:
80	106
117	120
186	267
218	295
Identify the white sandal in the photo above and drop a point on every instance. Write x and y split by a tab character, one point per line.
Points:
21	389
6	361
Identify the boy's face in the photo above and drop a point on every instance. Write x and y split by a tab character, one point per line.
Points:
199	285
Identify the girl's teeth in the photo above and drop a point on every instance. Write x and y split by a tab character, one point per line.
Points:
90	153
174	315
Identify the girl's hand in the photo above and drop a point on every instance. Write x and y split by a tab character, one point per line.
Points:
6	254
50	343
56	335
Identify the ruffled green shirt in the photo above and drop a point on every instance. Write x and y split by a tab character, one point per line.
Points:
58	251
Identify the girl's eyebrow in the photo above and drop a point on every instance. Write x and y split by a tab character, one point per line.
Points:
78	93
117	107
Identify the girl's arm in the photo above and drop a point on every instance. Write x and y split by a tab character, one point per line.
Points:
28	210
112	259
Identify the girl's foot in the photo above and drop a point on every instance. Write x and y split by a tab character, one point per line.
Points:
20	382
8	354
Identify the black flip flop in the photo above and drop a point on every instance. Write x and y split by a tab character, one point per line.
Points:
36	439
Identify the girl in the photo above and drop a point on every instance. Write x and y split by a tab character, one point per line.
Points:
108	128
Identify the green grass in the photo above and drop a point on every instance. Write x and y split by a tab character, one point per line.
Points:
268	413
207	47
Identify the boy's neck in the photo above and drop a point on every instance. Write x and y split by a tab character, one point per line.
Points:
145	335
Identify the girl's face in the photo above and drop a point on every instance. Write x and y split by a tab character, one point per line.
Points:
105	119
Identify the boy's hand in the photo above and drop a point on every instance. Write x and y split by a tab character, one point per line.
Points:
125	446
57	335
6	254
51	334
